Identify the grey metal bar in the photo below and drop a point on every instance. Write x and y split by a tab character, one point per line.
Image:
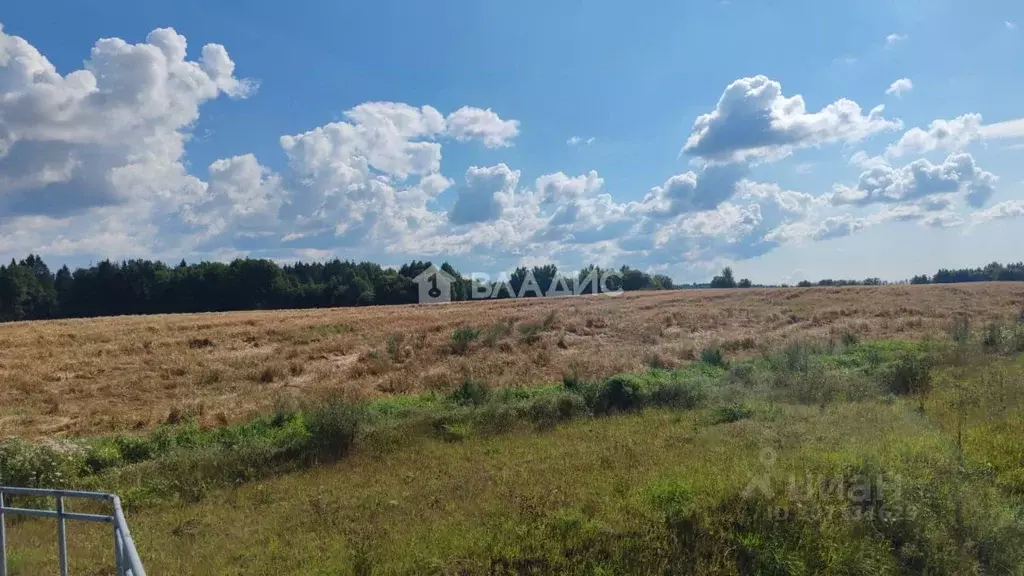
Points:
53	514
62	537
52	493
134	562
125	554
3	539
118	554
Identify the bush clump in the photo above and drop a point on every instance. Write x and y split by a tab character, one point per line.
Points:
471	393
621	393
713	356
47	465
549	410
682	394
742	374
462	338
909	374
331	428
733	413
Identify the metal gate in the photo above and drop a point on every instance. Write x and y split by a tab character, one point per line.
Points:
126	558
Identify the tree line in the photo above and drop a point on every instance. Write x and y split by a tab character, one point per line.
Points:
994	272
30	291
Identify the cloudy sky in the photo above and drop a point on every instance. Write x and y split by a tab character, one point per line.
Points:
789	139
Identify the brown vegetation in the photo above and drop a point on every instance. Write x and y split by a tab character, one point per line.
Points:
100	375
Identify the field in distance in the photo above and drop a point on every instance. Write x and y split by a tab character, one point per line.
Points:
94	376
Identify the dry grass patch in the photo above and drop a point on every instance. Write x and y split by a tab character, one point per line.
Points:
87	376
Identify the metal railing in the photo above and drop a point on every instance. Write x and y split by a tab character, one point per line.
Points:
126	558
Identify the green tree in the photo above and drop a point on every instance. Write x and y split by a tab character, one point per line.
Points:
726	280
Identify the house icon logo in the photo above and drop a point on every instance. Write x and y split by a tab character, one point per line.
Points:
434	285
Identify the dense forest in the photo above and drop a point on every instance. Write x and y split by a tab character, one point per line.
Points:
30	290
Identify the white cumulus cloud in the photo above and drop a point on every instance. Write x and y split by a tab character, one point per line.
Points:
111	133
900	87
468	123
944	135
488	190
755	121
919	179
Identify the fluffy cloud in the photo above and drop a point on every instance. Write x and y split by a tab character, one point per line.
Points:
93	162
241	195
900	87
112	133
558	187
485	195
838	227
381	135
1007	209
947	135
755	121
468	123
690	192
828	229
919	179
953	135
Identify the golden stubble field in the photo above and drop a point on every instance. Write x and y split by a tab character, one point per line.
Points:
94	376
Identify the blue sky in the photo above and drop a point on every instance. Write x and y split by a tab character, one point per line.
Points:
679	137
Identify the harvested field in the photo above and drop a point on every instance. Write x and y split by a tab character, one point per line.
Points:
93	376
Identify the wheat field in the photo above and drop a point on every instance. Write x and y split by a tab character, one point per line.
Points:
96	376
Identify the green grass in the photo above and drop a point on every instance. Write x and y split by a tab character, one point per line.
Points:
802	461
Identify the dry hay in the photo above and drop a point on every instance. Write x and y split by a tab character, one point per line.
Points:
93	376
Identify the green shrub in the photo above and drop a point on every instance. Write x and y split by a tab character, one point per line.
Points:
453	425
134	448
1017	338
795	357
394	346
849	338
683	394
992	339
332	428
960	332
48	465
732	413
102	455
548	410
462	338
911	373
471	393
621	393
744	374
713	356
